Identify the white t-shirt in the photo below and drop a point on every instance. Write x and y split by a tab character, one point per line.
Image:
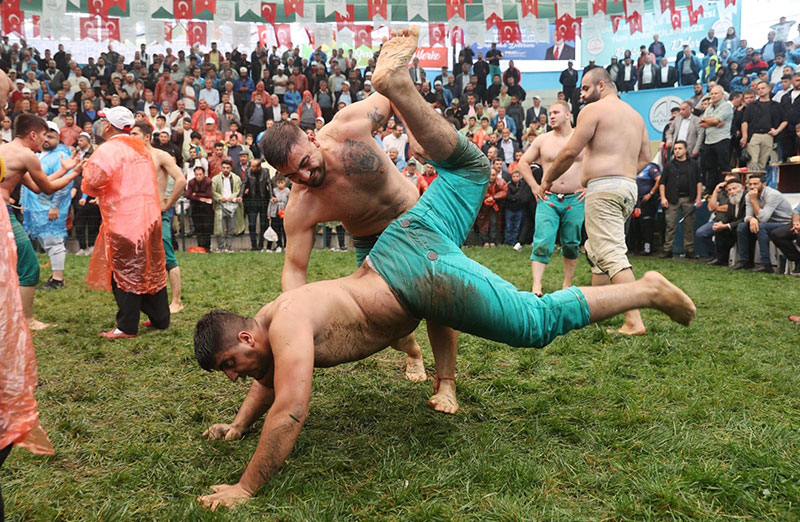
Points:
390	142
683	130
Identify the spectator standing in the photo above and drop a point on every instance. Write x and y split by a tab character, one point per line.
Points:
489	213
657	48
493	57
534	111
568	80
277	204
256	194
648	74
790	108
689	68
709	42
782	29
397	140
762	121
628	76
228	218
680	191
686	127
716	120
667	75
772	48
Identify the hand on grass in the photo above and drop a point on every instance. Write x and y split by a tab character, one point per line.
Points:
225	495
223	431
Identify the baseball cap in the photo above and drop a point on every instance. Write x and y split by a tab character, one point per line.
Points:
367	82
119	117
411	161
242	69
320	118
368	73
294	116
53	126
346	83
85	135
210	120
437	82
20	80
26	91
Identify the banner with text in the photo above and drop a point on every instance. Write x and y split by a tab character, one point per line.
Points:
532	55
654	105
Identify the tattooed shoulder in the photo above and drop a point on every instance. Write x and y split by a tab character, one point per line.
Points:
359	158
375	116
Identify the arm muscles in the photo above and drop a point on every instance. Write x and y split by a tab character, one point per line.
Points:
256	403
180	181
583	133
367	115
299	243
524	165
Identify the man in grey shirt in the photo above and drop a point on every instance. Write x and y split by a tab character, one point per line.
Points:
767	209
786	238
716	120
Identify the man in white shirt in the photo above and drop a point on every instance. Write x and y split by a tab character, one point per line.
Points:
396	140
210	94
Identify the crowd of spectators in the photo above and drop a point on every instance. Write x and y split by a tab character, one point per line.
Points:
209	110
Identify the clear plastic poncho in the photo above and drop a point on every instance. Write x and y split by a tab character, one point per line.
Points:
121	174
37	206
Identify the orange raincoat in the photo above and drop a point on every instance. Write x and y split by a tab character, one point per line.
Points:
122	175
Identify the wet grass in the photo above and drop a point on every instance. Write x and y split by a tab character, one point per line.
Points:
684	423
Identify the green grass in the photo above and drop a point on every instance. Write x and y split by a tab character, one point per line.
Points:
684	423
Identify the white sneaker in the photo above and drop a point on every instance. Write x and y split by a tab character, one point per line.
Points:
518	247
89	251
279	250
647	248
334	249
80	252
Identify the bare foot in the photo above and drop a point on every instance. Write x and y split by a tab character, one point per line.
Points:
415	369
627	329
444	400
537	291
794	318
174	308
33	324
670	299
396	53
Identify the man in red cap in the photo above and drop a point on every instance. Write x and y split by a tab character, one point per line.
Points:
129	255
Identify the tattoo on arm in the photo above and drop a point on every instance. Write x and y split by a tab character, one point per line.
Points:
359	158
376	117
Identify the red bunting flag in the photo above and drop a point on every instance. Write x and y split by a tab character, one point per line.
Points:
667	5
283	34
599	6
363	36
455	8
263	33
121	4
675	19
376	7
567	27
205	5
346	21
168	27
311	38
493	21
530	7
109	30
730	2
437	34
694	14
268	12
635	22
457	36
88	27
37	29
196	33
13	20
182	9
508	32
293	6
615	21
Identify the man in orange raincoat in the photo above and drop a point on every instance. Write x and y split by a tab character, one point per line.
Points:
128	257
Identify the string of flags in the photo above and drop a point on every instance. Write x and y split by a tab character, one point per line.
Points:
335	20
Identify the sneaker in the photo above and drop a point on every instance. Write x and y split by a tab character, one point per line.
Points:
52	284
690	255
80	252
716	261
646	249
742	265
334	249
278	250
518	247
764	269
665	254
89	251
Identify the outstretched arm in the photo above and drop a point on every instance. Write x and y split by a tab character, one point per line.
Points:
36	180
583	133
299	243
365	116
256	404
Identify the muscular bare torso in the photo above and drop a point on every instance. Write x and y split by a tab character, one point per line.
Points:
618	138
550	146
351	318
16	158
363	189
161	159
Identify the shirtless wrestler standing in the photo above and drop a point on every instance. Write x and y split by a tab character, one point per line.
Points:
345	176
560	212
617	147
166	168
416	270
22	165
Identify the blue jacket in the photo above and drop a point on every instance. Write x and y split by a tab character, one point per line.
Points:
292	100
250	86
697	67
510	124
37	206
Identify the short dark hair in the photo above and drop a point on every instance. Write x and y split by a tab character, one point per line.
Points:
682	142
226	161
598	74
278	141
145	127
26	123
214	332
761	177
194	135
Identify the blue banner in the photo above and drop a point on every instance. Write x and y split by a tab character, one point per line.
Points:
602	47
529	49
655	105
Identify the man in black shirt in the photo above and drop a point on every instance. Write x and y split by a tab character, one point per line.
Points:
680	191
762	121
493	56
568	80
481	70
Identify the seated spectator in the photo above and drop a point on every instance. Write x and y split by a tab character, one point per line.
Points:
726	223
787	239
767	209
718	205
211	135
508	144
772	48
755	64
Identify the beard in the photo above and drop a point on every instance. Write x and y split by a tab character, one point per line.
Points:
735	199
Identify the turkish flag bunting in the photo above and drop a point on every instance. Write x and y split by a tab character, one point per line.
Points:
493	20
730	2
635	22
615	20
348	21
437	34
13	18
694	15
168	27
311	38
293	6
205	5
181	9
675	19
455	8
37	30
268	12
89	28
108	4
263	34
196	33
109	30
529	7
376	7
283	34
457	36
599	6
567	27
667	5
363	36
508	32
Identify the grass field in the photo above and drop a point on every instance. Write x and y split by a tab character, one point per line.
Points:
684	423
